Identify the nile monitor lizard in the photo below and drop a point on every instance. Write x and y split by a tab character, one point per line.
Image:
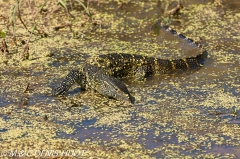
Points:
101	72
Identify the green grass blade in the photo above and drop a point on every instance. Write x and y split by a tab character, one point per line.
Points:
85	8
63	4
12	11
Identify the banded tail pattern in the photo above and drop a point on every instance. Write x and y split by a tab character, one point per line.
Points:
194	61
128	65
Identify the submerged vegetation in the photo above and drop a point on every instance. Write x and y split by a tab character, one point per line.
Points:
173	117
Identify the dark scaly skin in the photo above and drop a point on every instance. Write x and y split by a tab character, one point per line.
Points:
93	77
101	72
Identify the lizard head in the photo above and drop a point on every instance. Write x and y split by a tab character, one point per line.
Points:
113	88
